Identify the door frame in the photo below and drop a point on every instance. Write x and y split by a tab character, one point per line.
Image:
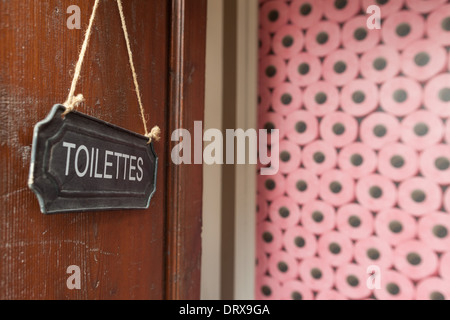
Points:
185	182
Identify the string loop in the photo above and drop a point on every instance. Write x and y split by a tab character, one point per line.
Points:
73	101
154	134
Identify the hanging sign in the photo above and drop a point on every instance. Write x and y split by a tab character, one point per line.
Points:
80	163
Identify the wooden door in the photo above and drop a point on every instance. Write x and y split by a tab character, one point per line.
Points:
133	254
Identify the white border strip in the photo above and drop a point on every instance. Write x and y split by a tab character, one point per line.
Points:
210	287
246	118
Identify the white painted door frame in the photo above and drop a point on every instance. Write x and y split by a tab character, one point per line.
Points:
245	175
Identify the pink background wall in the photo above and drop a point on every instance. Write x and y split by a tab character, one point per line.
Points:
365	160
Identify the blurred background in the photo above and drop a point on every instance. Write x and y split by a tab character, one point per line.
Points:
360	91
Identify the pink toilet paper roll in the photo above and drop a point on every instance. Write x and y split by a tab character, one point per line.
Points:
282	266
379	129
269	237
302	186
330	295
357	159
359	97
299	242
357	38
272	71
319	157
341	11
437	95
434	229
267	288
323	38
438	25
304	69
265	43
395	226
271	187
415	260
380	64
402	28
424	6
398	162
423	59
394	286
376	192
269	121
433	289
302	127
401	96
306	13
340	67
316	274
284	212
261	263
288	41
337	187
419	196
273	15
355	221
290	157
318	217
339	129
374	251
296	290
444	266
435	163
387	7
335	248
262	209
447	200
286	98
351	281
321	98
264	99
422	129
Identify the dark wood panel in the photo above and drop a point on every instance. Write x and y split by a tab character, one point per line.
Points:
121	253
184	201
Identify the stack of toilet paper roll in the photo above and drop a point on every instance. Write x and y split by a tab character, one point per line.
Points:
360	206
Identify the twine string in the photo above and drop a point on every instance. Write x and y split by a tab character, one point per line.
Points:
73	101
156	131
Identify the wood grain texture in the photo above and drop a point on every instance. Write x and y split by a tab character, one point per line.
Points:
186	101
120	253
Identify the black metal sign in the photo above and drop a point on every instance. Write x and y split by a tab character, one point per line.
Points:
80	163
